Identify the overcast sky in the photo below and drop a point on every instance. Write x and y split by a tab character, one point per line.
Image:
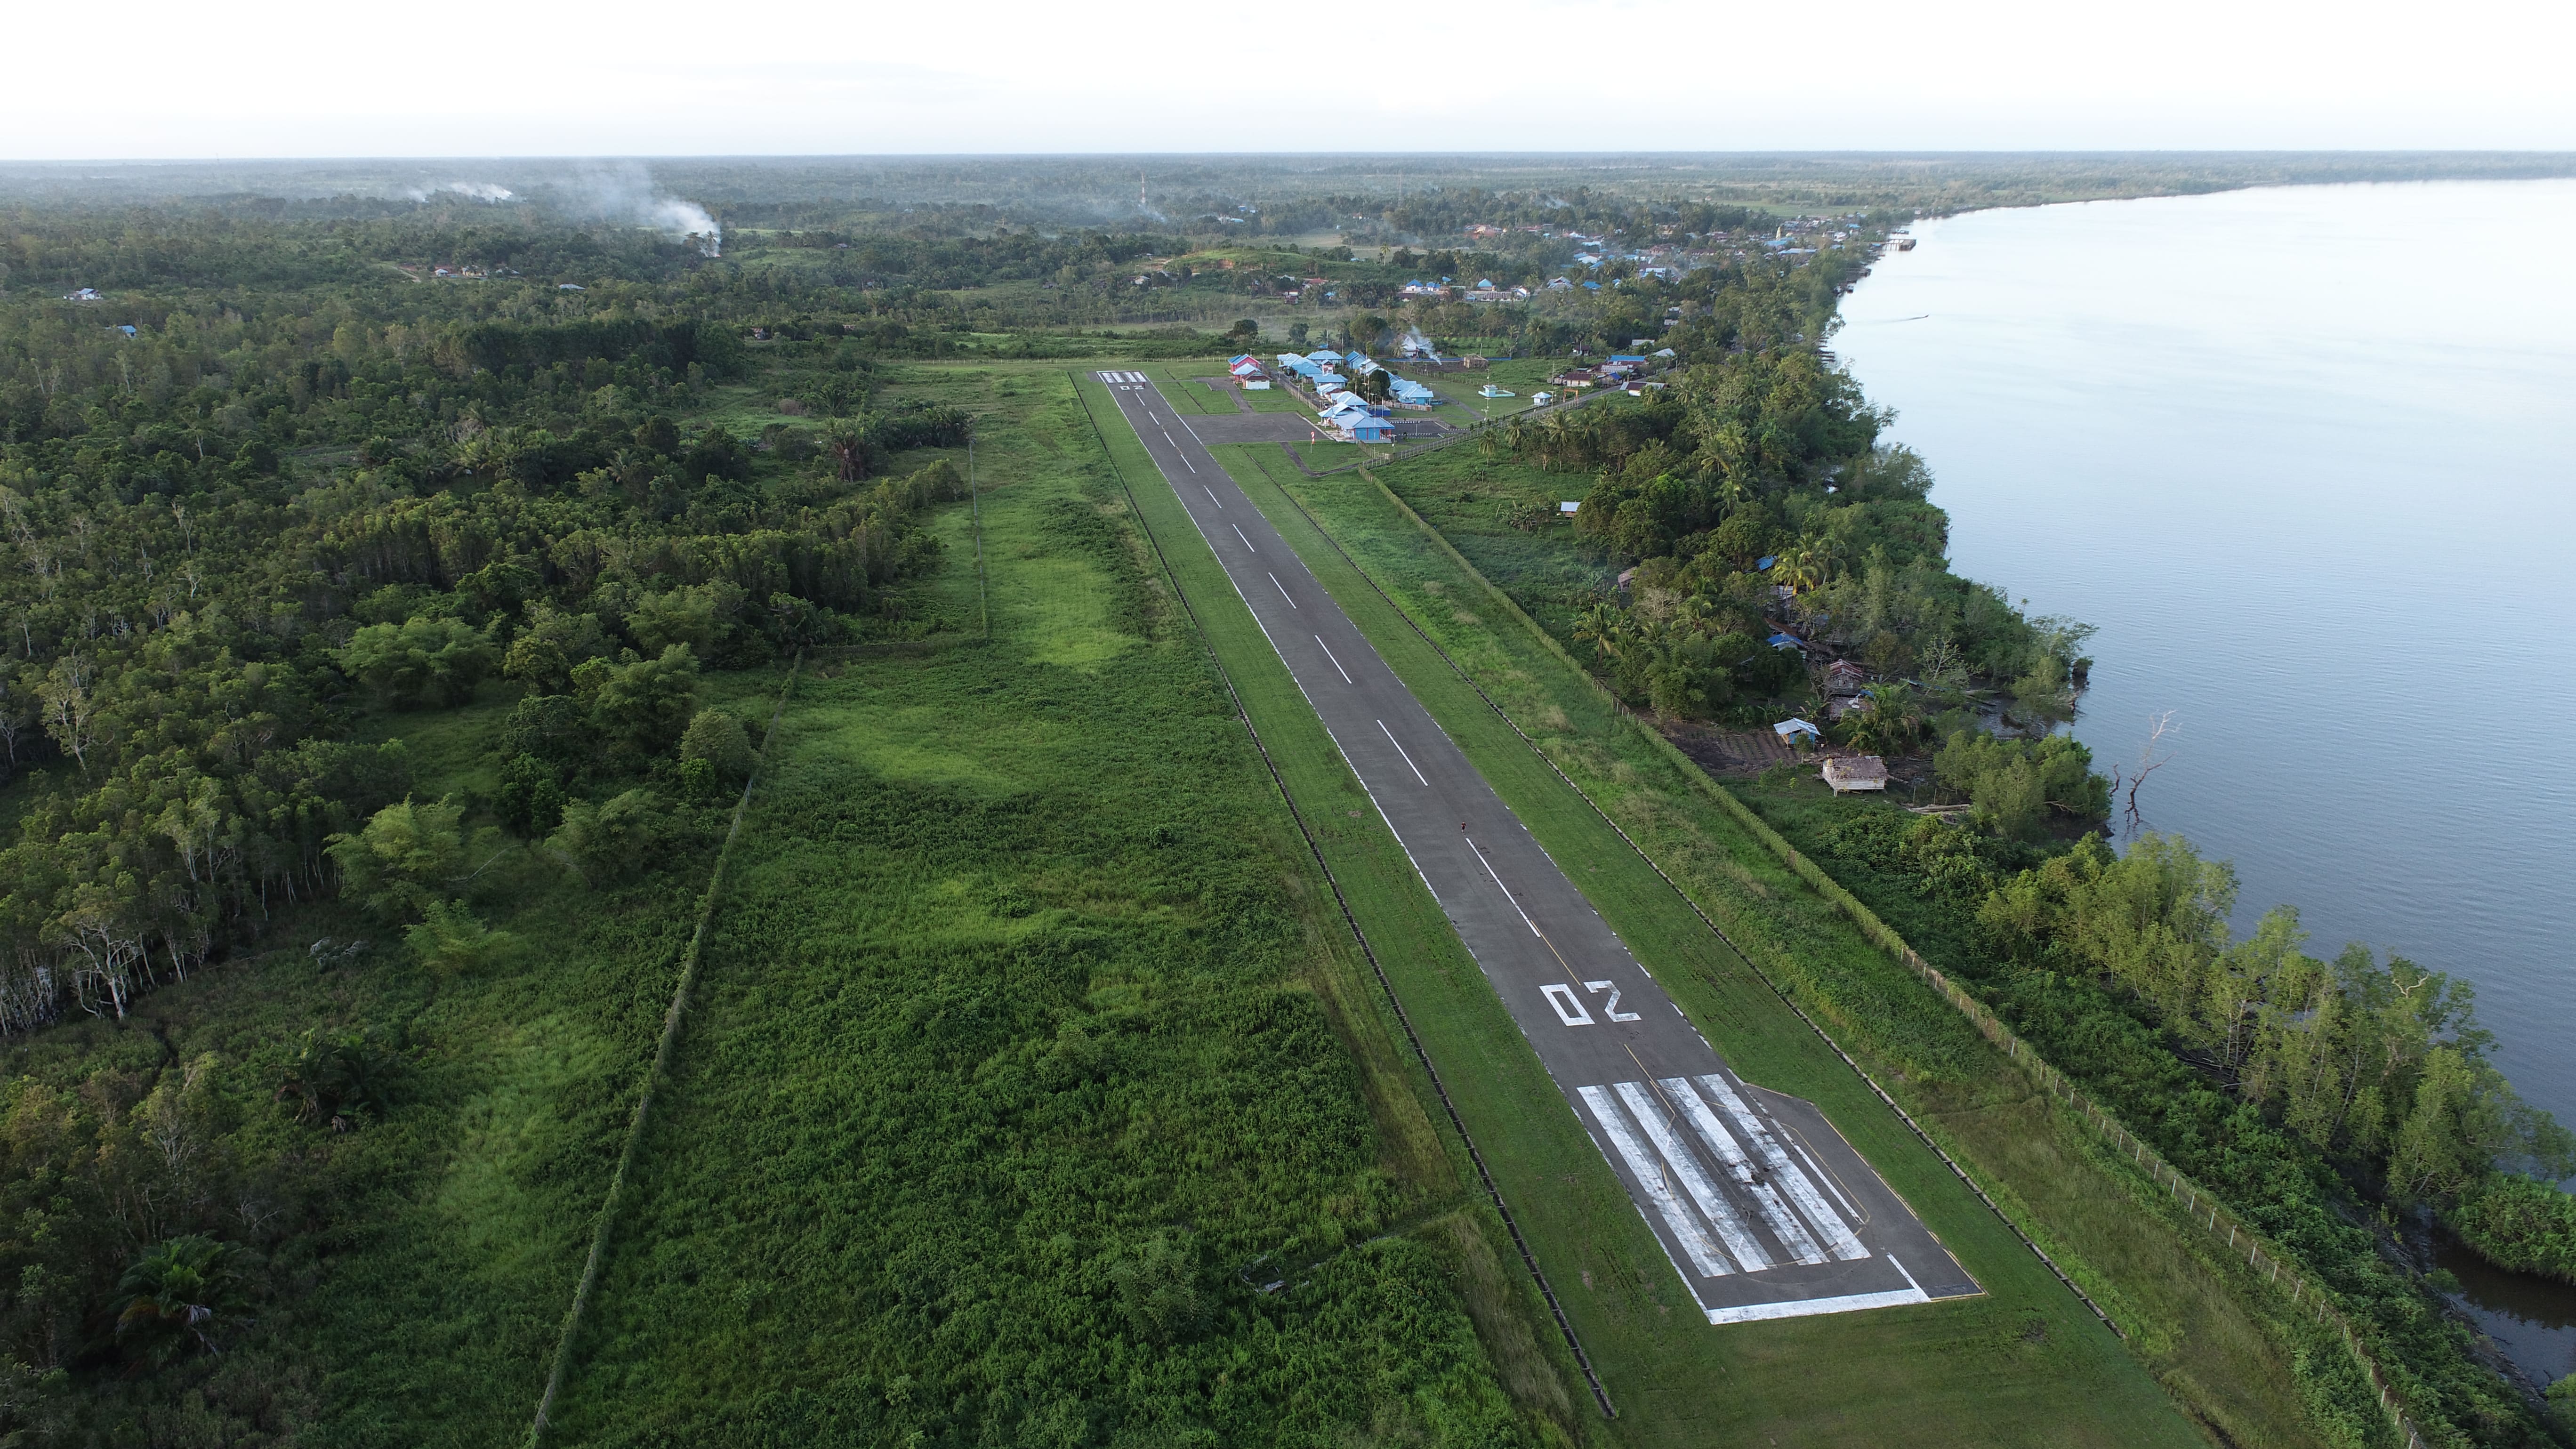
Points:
276	78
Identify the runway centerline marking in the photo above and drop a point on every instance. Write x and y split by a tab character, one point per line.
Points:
1337	664
1238	532
1211	493
1498	882
1292	603
1408	764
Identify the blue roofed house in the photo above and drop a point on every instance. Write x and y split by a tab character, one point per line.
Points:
1371	430
1412	394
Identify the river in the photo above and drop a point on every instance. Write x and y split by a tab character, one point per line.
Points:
2307	456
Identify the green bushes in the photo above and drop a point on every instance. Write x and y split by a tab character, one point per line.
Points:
1006	1080
423	662
612	841
715	755
2519	1223
450	941
2021	787
642	708
407	856
338	1080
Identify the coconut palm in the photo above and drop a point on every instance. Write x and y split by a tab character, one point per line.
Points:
1889	722
336	1079
1605	627
847	446
175	1298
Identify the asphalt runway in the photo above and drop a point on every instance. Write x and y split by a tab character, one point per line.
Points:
1762	1207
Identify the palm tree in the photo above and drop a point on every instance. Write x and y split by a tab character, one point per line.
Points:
847	446
1801	569
175	1296
334	1080
1604	627
1891	723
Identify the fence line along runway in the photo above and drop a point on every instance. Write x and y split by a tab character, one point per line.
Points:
1762	1207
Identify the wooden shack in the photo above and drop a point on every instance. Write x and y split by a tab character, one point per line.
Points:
1856	772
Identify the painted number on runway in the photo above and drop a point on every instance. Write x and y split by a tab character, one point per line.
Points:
1571	1010
1615	1014
1569	1007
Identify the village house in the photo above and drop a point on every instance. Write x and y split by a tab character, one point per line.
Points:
1856	772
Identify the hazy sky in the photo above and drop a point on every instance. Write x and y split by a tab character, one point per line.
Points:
162	78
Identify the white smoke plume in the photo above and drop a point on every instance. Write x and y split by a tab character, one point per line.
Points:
1146	207
472	190
626	193
690	220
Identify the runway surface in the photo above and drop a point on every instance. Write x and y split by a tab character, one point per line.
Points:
1762	1207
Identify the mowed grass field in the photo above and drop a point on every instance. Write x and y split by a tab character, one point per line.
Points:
1034	1093
2023	1364
2194	1324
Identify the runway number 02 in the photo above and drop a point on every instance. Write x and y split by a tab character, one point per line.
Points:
1569	1007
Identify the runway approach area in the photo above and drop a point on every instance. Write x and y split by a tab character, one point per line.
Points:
1763	1208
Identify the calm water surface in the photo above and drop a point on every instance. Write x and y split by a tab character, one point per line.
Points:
2308	457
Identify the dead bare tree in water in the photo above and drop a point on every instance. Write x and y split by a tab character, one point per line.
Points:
2151	758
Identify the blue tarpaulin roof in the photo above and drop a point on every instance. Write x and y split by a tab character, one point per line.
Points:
1764	562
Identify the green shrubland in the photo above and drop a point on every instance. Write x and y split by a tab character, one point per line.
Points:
1018	1103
